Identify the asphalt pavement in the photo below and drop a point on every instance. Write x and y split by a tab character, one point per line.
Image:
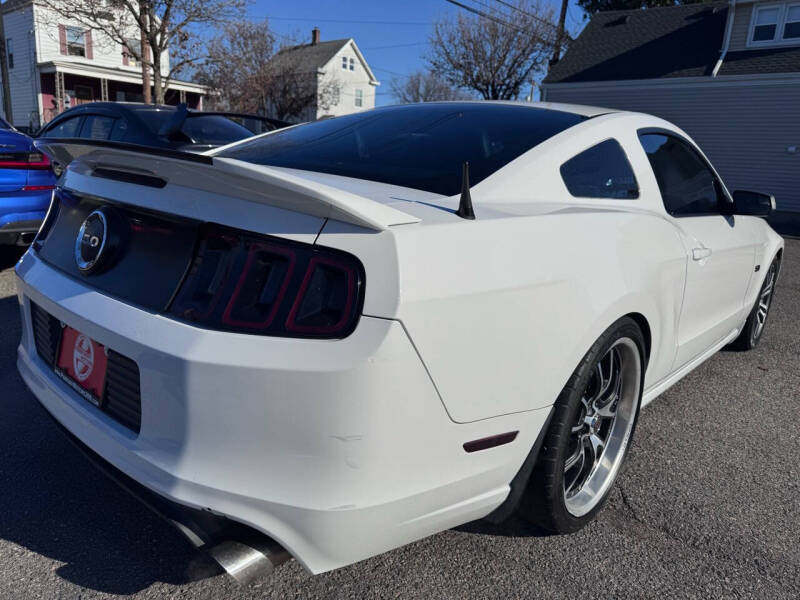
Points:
707	505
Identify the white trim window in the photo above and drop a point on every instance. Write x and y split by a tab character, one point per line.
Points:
791	26
76	41
359	100
344	63
774	24
352	64
132	43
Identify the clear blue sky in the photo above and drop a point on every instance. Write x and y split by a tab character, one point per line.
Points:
376	25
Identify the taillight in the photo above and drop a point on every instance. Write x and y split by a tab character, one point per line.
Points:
24	160
270	286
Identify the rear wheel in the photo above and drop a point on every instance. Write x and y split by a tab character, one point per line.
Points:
590	432
754	325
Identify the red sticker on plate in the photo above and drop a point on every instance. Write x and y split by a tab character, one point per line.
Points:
83	360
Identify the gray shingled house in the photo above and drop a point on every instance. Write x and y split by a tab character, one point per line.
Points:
727	73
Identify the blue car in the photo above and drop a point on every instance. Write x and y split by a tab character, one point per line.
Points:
26	185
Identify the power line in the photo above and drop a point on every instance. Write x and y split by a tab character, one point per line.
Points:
485	15
416	23
525	12
517	8
394	46
374	68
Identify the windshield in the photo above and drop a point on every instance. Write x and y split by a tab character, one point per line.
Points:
420	146
213	130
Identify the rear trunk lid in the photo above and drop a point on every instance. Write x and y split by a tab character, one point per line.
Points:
123	171
165	201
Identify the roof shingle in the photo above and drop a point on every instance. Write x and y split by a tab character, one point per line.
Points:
678	41
310	56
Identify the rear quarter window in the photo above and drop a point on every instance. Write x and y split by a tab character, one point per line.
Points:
602	171
68	128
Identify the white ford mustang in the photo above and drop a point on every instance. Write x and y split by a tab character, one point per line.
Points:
337	338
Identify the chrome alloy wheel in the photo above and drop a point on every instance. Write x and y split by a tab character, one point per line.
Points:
764	300
602	427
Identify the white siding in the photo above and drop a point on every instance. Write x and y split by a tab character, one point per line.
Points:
357	79
24	104
741	27
745	127
105	52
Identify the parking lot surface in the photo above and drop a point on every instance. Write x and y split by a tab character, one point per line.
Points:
707	505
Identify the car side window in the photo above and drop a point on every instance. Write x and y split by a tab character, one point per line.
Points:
120	130
97	127
688	185
68	128
602	171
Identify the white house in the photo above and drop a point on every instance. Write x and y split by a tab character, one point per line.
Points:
55	64
338	61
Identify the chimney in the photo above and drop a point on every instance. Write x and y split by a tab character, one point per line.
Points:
315	36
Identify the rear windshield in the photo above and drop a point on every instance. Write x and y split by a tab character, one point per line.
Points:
200	129
421	146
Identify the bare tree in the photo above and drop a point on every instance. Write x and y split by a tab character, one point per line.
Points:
148	29
297	93
238	70
248	72
494	52
425	87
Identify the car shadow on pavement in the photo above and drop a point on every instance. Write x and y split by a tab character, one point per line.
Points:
514	526
9	255
54	503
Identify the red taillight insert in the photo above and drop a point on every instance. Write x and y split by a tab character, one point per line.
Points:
24	160
261	287
261	284
325	298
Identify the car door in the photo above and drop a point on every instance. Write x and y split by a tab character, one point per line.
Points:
720	248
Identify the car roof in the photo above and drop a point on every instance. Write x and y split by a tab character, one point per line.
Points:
578	109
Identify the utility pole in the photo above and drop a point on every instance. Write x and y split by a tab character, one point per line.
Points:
4	71
562	20
144	53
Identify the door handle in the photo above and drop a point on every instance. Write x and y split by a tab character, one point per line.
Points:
700	253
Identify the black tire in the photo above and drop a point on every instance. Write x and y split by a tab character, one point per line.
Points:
545	500
752	333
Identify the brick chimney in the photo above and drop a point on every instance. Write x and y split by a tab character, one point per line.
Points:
315	36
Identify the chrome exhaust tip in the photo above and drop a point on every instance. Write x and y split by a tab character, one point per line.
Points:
246	562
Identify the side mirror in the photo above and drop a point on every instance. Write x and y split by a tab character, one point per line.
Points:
754	204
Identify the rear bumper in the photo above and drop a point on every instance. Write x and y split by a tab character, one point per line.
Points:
337	450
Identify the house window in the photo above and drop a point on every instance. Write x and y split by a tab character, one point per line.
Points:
775	23
766	23
791	30
135	44
359	98
76	41
344	63
10	53
352	64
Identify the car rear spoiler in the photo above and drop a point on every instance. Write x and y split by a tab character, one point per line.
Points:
158	167
175	123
